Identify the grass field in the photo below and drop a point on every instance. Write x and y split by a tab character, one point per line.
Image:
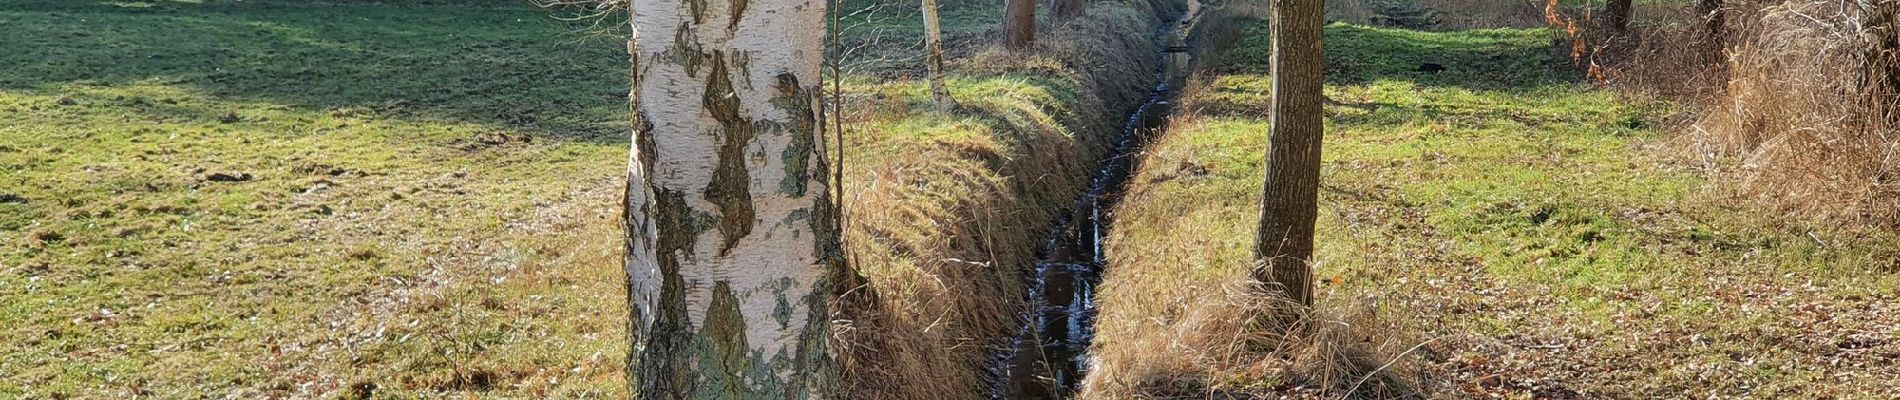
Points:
1534	235
285	199
418	199
398	199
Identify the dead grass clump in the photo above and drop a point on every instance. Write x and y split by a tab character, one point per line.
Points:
1246	341
1664	56
1805	121
1792	101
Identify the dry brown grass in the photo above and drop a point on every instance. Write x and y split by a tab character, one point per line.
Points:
945	209
1809	136
1789	106
1239	340
1181	319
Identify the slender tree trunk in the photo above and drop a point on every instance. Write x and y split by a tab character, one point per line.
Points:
733	250
1284	247
933	38
1616	15
1019	24
1065	10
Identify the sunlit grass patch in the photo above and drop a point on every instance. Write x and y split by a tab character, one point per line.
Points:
1494	201
285	199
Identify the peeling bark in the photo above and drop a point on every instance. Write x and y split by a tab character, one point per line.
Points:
732	247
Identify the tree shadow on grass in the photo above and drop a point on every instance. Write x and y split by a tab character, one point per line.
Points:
486	62
1508	59
1479	77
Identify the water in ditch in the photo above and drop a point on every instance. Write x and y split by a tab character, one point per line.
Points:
1048	355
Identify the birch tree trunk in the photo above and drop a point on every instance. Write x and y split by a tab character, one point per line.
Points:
1288	209
933	37
733	245
1019	24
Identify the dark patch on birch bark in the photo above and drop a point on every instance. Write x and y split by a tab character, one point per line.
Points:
698	8
644	139
670	341
685	50
738	10
796	101
730	188
723	360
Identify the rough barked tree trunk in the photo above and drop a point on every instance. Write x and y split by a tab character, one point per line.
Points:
733	248
1616	15
1284	245
933	44
1019	24
1064	10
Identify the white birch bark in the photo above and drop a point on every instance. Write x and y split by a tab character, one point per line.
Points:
732	242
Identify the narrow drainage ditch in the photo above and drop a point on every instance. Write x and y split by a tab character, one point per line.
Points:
1048	355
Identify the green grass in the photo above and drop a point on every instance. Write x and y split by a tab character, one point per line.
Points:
1498	203
411	168
424	214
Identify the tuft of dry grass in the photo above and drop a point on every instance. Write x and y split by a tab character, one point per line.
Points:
1808	127
1786	101
1242	340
